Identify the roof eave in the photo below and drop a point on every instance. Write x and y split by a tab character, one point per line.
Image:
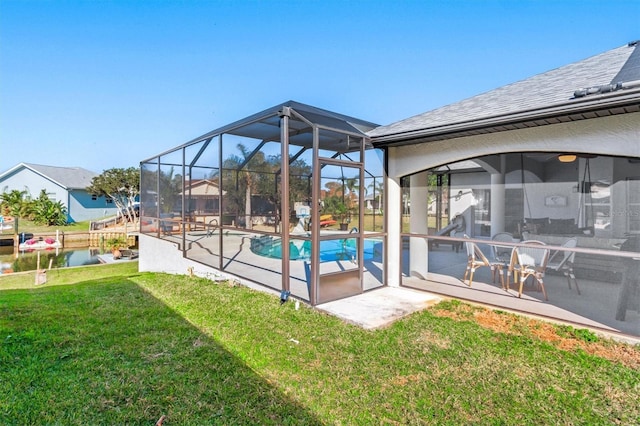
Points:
591	107
36	171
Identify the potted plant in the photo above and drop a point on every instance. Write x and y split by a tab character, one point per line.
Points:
114	244
345	217
335	206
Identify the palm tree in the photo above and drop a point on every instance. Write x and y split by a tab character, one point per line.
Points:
170	189
247	171
47	212
377	186
13	201
352	186
353	196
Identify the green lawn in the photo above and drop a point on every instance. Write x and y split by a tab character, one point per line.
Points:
109	345
30	227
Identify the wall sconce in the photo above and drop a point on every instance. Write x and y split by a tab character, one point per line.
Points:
567	158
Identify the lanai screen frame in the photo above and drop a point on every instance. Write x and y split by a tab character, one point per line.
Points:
297	128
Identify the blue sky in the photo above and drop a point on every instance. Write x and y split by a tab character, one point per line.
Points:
102	84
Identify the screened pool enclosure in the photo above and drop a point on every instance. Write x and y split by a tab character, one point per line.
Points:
311	226
525	198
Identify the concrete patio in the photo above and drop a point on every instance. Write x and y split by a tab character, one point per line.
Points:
381	307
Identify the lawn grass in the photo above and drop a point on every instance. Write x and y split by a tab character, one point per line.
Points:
29	226
114	346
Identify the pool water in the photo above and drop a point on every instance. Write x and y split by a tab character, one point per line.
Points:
330	250
28	261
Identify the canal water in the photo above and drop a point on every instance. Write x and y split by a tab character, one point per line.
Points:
60	258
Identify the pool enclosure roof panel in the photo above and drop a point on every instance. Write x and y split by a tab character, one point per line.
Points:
265	125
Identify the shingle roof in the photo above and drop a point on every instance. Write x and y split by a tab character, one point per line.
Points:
551	89
68	177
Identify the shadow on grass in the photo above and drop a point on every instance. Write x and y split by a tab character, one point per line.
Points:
106	352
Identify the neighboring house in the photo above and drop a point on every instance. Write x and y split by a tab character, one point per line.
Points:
65	184
204	196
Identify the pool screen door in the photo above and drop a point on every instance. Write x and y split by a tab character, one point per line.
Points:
338	242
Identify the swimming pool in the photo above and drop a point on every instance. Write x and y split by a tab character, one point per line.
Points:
330	250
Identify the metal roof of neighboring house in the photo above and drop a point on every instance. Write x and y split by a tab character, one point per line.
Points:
66	177
605	84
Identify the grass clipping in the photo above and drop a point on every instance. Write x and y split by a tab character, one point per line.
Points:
563	337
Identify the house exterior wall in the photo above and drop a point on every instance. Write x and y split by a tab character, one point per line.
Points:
82	207
613	135
25	179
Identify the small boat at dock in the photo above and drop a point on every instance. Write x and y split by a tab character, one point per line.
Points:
40	244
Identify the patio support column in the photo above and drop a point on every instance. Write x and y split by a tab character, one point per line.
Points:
393	213
285	114
498	198
419	193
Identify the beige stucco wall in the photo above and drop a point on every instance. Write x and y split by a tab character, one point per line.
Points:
613	135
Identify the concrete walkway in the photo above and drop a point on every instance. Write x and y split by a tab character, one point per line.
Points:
379	308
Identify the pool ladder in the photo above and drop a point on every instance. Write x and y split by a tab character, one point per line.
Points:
353	258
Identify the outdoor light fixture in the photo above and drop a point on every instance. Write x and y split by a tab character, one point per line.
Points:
567	158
